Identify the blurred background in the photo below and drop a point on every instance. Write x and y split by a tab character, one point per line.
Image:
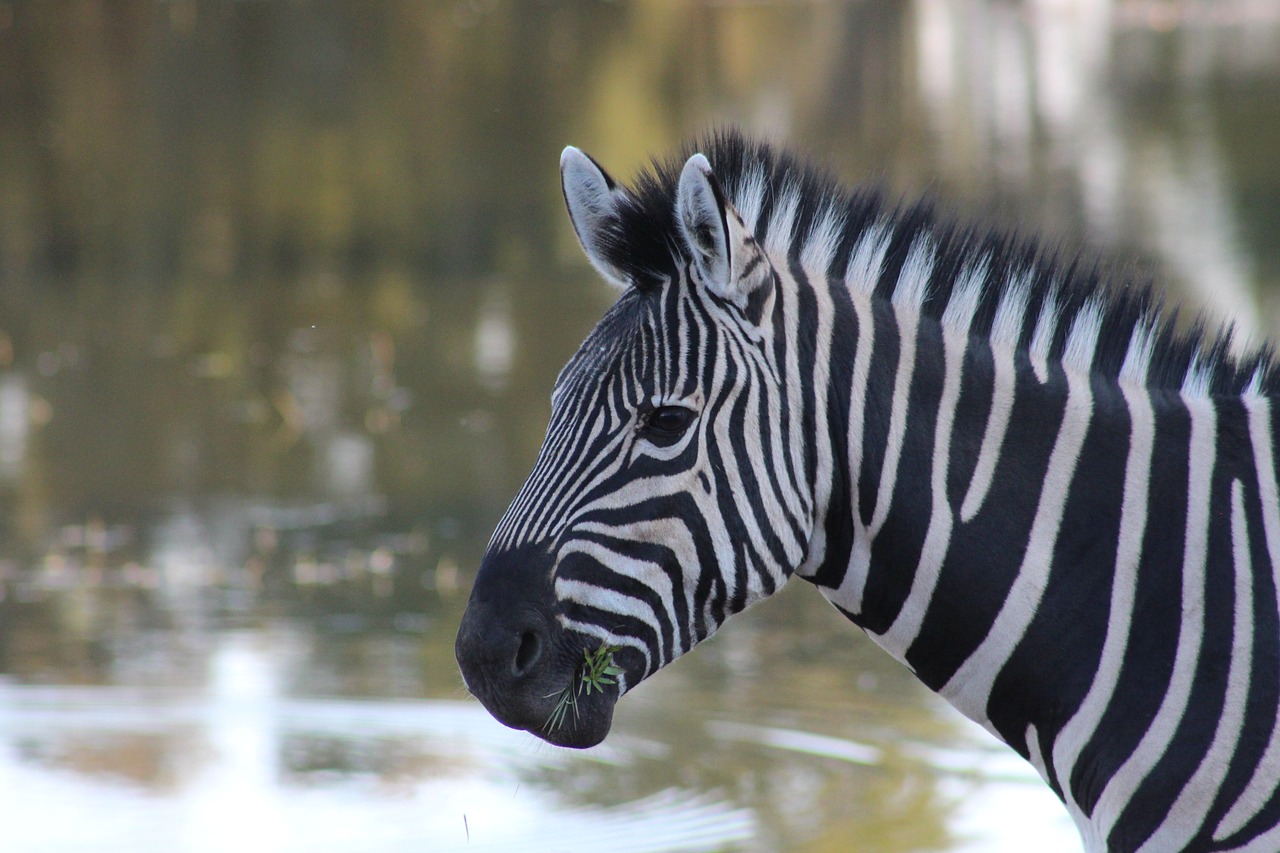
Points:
283	290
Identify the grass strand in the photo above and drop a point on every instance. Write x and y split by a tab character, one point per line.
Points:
596	672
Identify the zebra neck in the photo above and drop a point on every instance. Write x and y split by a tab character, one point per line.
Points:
1060	554
973	473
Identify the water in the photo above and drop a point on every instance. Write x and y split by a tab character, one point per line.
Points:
284	289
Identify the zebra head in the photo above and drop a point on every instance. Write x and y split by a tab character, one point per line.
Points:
653	511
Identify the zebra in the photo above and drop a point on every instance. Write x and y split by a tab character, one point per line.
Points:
1021	476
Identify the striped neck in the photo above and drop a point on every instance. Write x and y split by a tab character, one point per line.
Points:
1036	542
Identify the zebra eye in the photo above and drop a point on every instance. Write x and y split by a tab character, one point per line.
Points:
665	424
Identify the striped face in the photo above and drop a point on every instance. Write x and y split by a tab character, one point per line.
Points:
639	526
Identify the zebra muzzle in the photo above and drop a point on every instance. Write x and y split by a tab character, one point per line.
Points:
521	663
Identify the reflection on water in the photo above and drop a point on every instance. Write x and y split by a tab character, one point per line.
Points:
268	743
283	290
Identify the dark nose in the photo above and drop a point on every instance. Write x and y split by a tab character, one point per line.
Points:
506	642
501	642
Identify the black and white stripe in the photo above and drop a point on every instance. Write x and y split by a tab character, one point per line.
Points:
1013	475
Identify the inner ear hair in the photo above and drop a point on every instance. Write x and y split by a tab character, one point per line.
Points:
700	208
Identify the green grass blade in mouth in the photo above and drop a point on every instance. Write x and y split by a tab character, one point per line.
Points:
599	669
596	672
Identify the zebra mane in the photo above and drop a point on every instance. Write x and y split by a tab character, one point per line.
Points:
1007	288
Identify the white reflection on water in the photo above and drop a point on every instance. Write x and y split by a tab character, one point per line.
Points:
670	820
237	794
15	403
1002	802
1010	810
78	772
495	344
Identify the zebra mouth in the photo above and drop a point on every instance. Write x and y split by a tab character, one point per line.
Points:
577	712
548	697
580	726
527	670
526	667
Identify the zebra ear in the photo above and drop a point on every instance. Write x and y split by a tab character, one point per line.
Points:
592	198
723	250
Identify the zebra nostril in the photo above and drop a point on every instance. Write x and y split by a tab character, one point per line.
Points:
528	654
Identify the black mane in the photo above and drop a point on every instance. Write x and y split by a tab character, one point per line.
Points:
648	249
